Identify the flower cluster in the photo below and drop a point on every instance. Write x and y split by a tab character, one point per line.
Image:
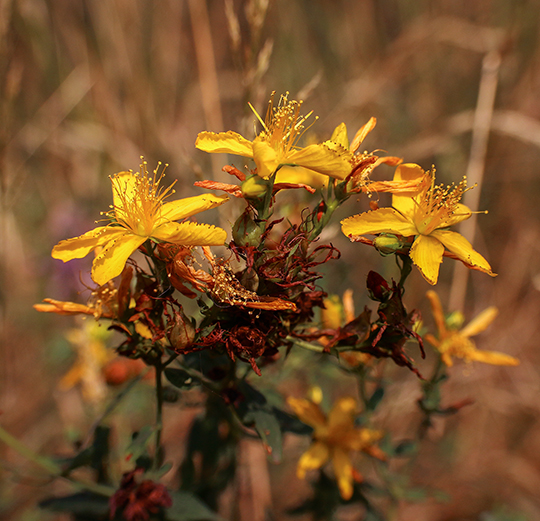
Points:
258	296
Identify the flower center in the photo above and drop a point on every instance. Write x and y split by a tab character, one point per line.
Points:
138	201
436	205
283	125
457	345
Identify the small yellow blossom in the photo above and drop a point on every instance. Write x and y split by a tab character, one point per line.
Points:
334	438
424	217
277	145
454	342
92	356
105	301
140	213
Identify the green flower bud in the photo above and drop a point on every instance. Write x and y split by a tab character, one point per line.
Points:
387	243
246	232
254	187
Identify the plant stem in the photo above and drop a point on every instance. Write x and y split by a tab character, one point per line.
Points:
305	345
159	413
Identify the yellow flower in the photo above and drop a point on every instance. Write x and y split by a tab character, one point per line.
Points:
276	145
424	216
92	356
334	437
140	213
105	301
451	342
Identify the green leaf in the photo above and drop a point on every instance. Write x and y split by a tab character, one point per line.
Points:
375	399
180	378
256	410
267	426
83	504
138	446
156	475
187	507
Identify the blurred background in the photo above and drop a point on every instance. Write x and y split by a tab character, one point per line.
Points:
88	87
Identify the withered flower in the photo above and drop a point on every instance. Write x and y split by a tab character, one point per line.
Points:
248	343
137	498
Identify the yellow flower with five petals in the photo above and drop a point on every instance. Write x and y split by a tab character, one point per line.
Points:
334	437
423	216
140	213
277	144
453	342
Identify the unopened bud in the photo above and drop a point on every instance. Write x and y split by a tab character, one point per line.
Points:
246	232
377	287
181	331
254	187
387	244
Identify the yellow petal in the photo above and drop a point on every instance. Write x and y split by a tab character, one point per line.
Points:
462	248
362	133
63	308
491	357
111	261
460	213
406	172
342	414
123	184
340	136
143	330
301	175
266	158
427	253
343	471
438	313
79	247
383	220
432	340
307	411
314	458
447	359
332	313
224	143
327	158
359	439
183	208
71	378
190	234
480	322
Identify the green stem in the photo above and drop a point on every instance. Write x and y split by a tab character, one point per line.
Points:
362	389
405	267
305	345
329	210
263	212
159	413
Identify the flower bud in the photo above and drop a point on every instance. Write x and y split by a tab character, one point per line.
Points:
387	244
181	331
254	187
246	232
377	287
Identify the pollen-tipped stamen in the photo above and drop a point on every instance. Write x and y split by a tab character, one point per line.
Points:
437	204
139	209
